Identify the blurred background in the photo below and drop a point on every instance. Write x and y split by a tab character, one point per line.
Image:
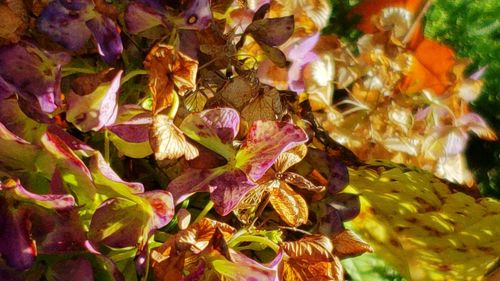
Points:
472	29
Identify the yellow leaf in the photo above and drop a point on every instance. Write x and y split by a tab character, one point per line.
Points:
423	227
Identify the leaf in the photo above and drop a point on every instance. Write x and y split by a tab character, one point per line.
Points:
98	108
162	205
130	132
431	68
266	106
109	182
12	24
239	91
271	31
213	128
15	190
168	142
265	141
228	189
301	182
169	70
290	157
119	222
349	244
310	258
422	227
289	205
195	102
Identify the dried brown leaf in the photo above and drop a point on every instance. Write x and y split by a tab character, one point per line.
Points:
289	205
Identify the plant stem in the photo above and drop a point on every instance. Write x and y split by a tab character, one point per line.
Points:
132	74
253	238
205	211
106	145
174	107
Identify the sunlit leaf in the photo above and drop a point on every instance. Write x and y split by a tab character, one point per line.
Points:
348	244
289	205
168	142
422	227
266	106
170	71
213	128
265	141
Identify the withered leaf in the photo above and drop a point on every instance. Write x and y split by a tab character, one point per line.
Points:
349	244
272	31
300	182
290	157
289	205
275	55
196	101
310	258
11	25
168	142
266	106
169	71
314	248
239	92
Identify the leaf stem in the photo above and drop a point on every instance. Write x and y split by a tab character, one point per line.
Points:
132	74
253	238
205	211
106	145
174	107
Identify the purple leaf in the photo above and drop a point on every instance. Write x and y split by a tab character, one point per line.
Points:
12	117
78	268
108	181
98	109
34	73
189	182
73	170
130	132
143	15
273	31
213	128
265	141
135	129
15	190
119	222
64	26
16	247
301	55
57	233
163	207
347	205
338	178
107	36
72	142
228	190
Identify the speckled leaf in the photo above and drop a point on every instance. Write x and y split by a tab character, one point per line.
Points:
228	190
162	204
289	205
213	128
265	141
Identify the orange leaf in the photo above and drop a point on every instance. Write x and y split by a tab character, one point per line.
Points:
289	205
348	244
170	71
310	258
431	69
